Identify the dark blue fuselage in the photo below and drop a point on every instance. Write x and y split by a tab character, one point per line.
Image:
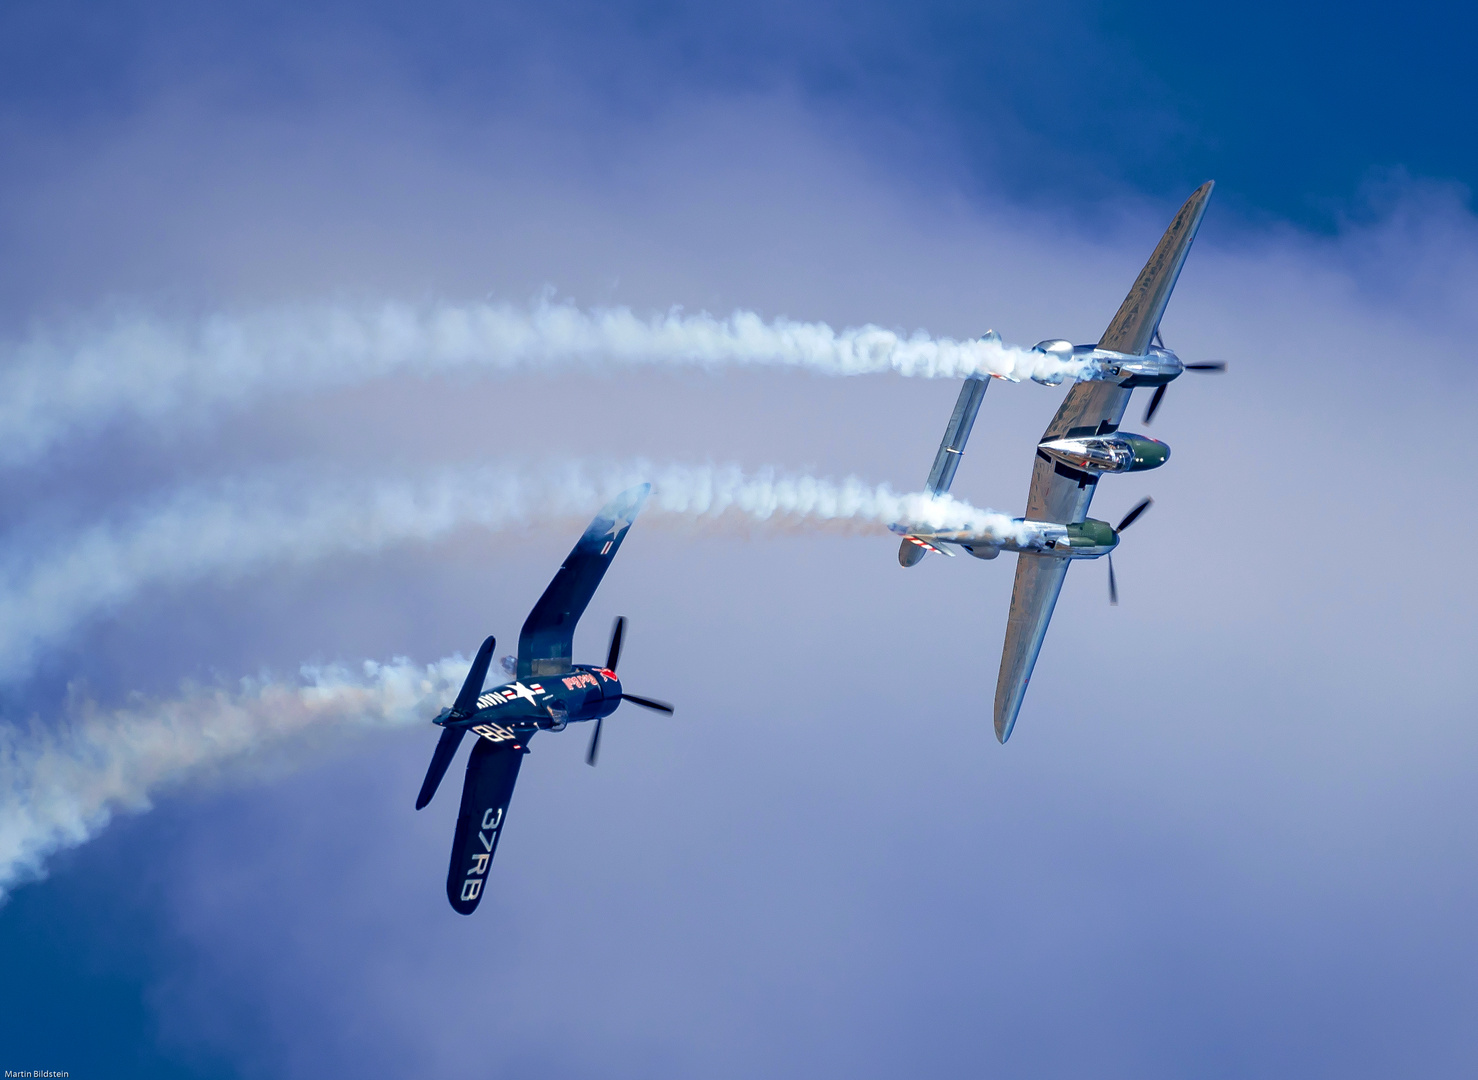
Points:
515	710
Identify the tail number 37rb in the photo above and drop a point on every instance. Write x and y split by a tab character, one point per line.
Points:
492	822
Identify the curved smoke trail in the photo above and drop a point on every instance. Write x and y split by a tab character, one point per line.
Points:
49	587
61	783
60	381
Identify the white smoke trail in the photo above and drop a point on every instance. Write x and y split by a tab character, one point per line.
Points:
79	378
50	587
60	785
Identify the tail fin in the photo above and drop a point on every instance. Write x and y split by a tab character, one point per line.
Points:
947	460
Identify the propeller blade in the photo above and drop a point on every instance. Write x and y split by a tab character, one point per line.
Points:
613	654
1214	365
1149	414
1113	585
1133	515
466	703
648	703
593	750
446	749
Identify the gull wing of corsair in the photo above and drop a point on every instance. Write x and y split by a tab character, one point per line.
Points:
548	693
1082	443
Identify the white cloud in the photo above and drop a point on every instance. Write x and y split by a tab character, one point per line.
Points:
1234	815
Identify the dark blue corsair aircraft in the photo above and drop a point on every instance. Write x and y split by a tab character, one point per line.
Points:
547	693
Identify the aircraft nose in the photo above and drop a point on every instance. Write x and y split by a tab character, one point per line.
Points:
1150	454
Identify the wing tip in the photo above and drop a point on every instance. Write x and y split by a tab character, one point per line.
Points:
1004	724
623	508
633	498
1199	198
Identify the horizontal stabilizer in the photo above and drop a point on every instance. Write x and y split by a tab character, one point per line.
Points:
492	770
912	549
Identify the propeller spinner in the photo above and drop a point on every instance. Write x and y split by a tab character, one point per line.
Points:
1159	395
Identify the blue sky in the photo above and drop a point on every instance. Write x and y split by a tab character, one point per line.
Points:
1293	108
1231	835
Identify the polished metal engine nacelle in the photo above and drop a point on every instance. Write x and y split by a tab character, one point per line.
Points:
1080	540
1121	452
1155	368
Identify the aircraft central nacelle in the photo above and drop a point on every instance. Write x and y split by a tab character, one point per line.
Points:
1120	452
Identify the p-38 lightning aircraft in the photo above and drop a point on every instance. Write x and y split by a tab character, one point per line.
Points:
548	692
1081	444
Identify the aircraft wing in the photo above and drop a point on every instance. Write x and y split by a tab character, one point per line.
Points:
1139	314
1095	407
547	639
1062	494
1039	580
492	770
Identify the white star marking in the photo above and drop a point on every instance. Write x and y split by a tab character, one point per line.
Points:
518	689
617	526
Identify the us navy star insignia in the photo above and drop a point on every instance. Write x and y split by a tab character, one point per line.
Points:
518	689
